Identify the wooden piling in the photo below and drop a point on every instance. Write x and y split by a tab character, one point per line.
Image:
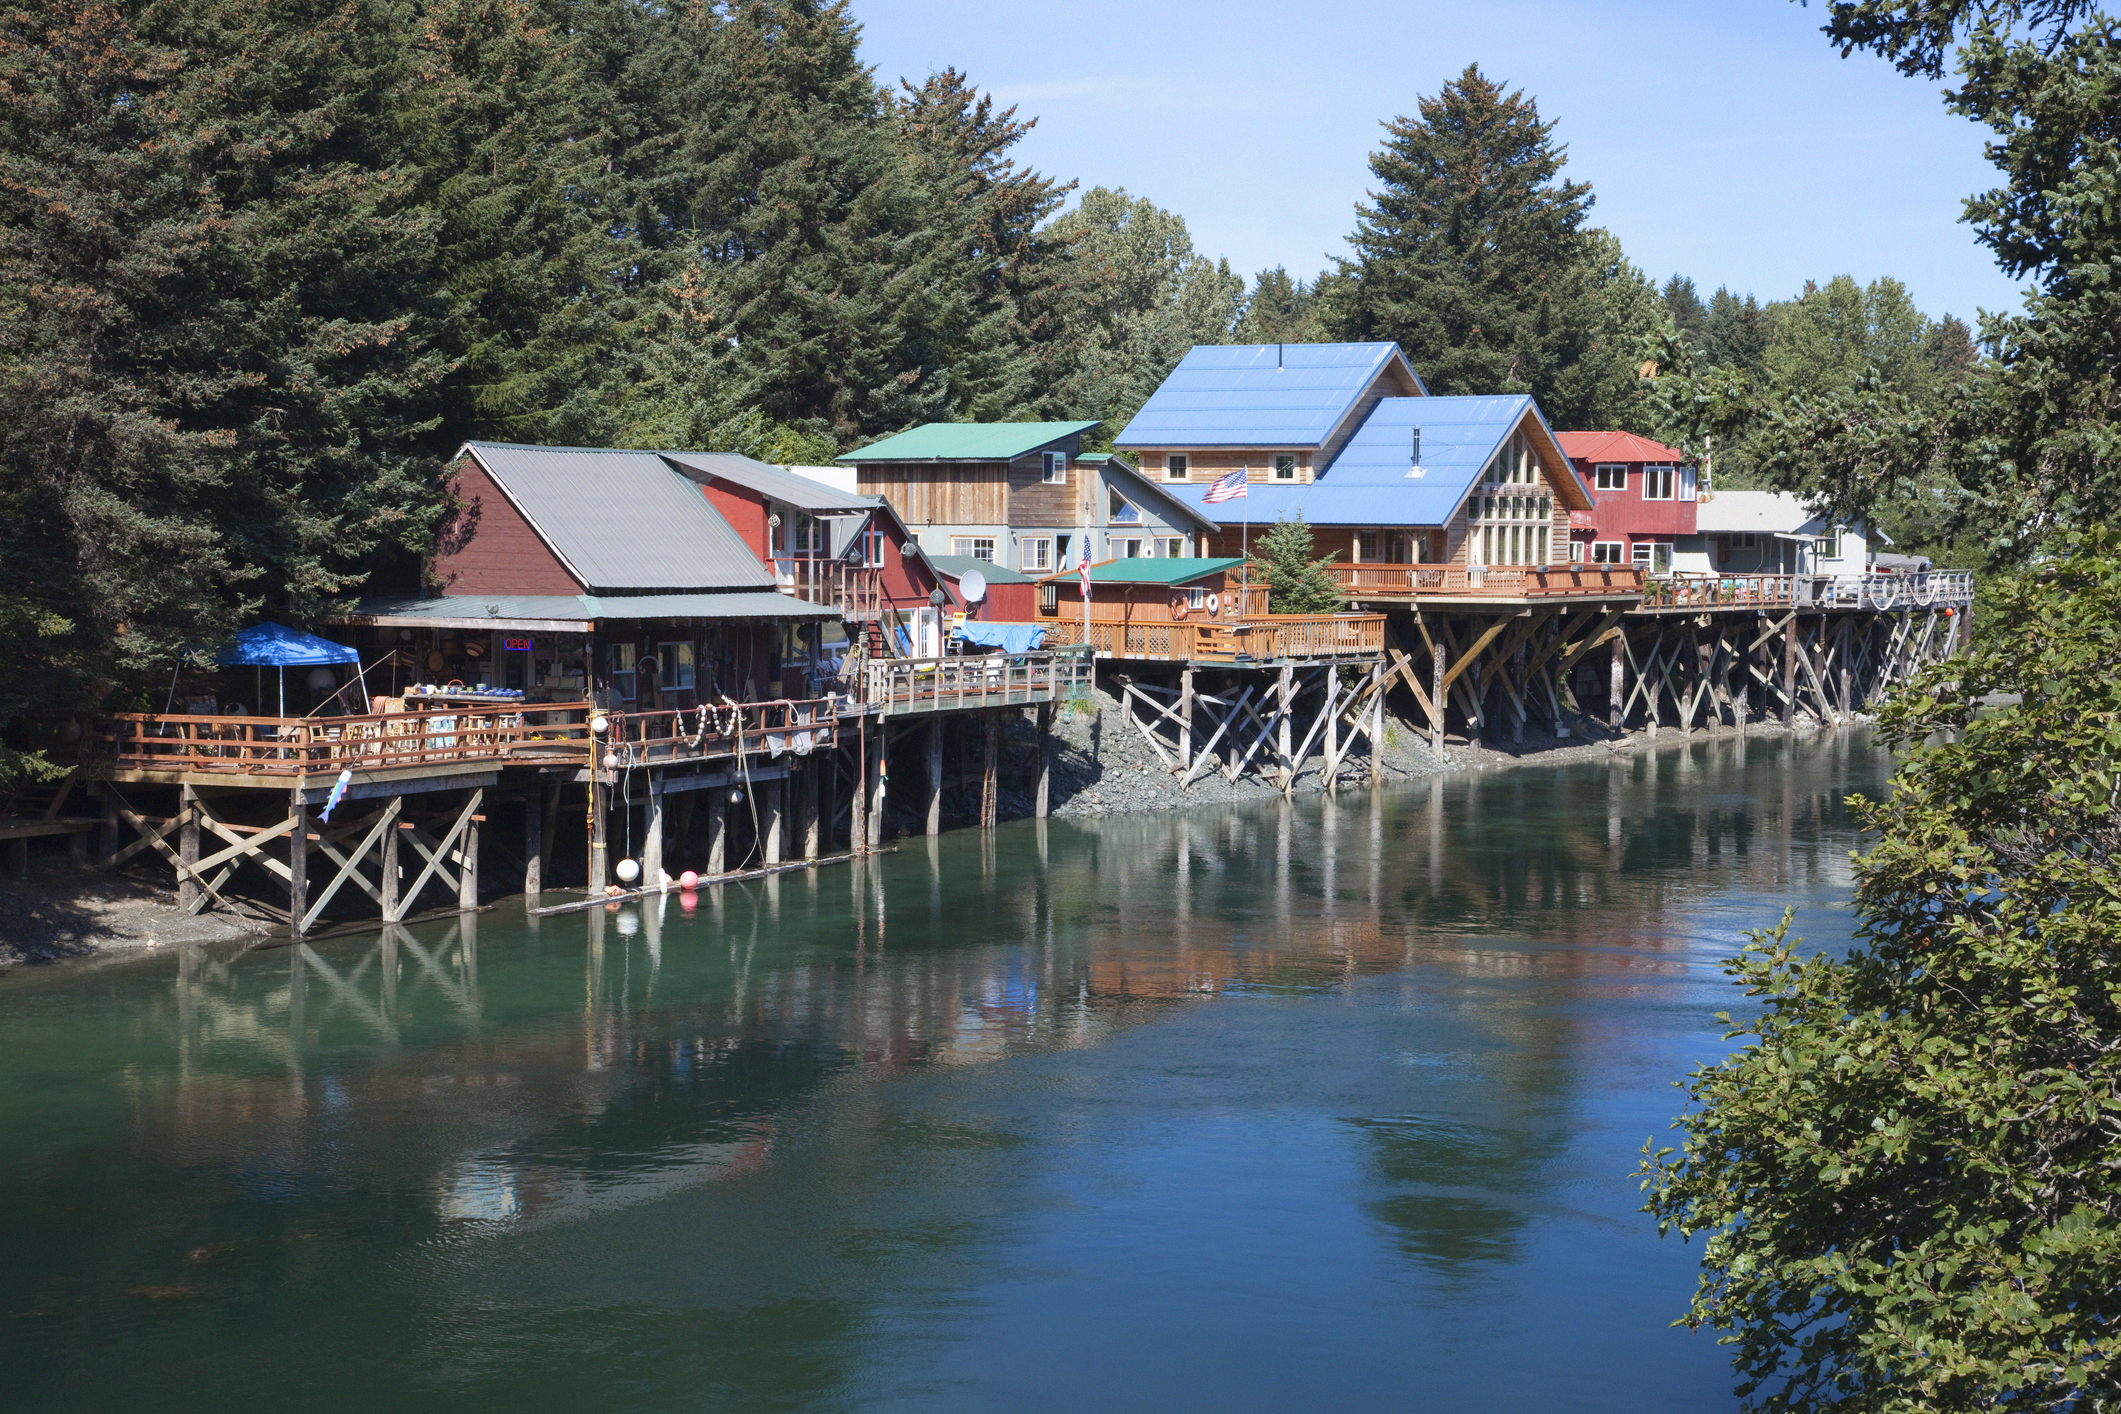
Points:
935	774
599	796
533	840
990	769
770	823
652	845
1185	724
389	889
717	830
468	865
1045	756
1617	701
1789	670
297	864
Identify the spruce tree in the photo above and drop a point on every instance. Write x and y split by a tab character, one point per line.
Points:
1296	582
1471	252
1280	310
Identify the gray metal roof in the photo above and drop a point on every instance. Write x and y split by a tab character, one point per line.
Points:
785	486
622	520
576	612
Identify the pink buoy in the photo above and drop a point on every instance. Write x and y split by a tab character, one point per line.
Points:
688	880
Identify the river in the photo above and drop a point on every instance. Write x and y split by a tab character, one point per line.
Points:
1324	1106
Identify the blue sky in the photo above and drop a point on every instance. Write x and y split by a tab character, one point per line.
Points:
1724	139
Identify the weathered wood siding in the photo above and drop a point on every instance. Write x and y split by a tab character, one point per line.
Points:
485	546
1032	501
940	493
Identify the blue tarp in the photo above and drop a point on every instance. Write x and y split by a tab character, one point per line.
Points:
278	646
1010	638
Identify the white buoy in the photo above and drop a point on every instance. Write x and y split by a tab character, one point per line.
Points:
600	725
611	760
627	871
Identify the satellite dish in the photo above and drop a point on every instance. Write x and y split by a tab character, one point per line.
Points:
973	585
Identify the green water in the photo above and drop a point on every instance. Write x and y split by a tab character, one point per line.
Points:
1328	1106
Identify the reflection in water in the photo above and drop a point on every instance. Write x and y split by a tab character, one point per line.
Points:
821	1139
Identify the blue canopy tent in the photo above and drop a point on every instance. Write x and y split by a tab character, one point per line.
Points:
278	646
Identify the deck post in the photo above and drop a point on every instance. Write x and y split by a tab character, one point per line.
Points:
717	830
389	889
935	774
990	769
468	863
1045	760
879	773
187	848
652	846
297	864
599	874
1185	721
776	811
1616	701
1789	670
1286	745
533	840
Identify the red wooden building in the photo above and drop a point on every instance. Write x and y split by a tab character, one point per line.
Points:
1643	497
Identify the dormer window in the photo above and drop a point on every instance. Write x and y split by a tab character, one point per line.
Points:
1123	512
1175	468
1053	468
1285	466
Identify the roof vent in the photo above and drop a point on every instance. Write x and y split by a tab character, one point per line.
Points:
1415	471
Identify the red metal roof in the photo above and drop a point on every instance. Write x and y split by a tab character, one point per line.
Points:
1616	447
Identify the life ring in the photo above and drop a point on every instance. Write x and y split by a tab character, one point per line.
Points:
1214	604
1178	607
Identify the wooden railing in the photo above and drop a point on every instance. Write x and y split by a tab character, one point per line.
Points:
1267	638
898	685
1364	581
1918	590
423	736
767	728
855	590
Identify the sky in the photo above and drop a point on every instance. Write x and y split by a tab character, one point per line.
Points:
1724	140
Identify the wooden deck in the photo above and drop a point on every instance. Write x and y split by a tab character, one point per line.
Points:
142	745
896	686
1481	584
1692	593
1267	640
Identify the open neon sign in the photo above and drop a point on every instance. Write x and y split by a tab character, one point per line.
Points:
515	645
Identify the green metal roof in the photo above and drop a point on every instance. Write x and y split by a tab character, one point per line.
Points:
1159	571
967	441
956	565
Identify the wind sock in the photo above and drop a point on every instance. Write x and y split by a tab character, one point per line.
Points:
338	793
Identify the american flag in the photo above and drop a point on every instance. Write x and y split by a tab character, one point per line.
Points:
1084	570
1229	488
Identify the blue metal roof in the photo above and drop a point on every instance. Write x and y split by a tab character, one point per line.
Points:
1259	395
1368	482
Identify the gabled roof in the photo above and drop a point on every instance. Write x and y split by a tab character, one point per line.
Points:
1260	395
1147	571
956	566
1369	482
1138	488
1617	447
621	521
967	441
770	481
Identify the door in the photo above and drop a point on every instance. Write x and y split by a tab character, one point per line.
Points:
927	636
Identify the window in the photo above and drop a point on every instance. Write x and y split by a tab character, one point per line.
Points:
1473	509
1546	508
873	549
1126	547
677	664
1539	548
1196	599
1170	547
801	534
1575	552
1688	487
1060	551
1370	545
1656	483
1285	466
1828	547
979	547
1612	477
1054	471
622	682
1655	556
1175	466
1049	598
1745	540
1607	552
1035	552
1121	513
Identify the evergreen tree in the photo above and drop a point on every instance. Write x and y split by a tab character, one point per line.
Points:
1471	254
1685	309
1279	310
1296	583
1142	299
1734	332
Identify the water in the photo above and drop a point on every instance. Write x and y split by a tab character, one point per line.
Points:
1322	1107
